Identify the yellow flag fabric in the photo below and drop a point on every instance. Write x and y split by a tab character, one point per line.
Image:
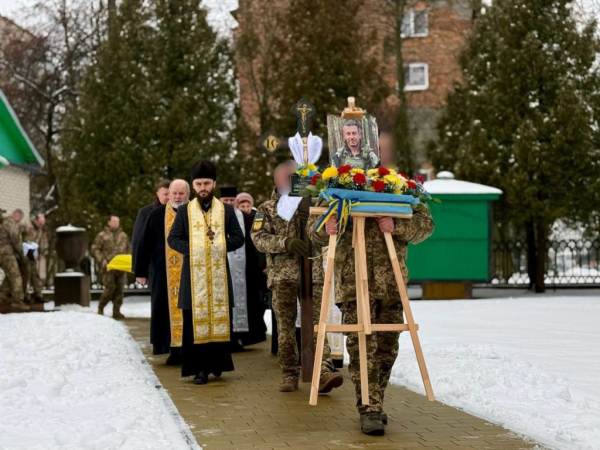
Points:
120	262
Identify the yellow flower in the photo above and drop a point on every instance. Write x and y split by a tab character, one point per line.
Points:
391	179
312	167
345	178
304	172
356	170
372	172
330	172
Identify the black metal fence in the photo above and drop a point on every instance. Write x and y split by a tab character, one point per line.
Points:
568	262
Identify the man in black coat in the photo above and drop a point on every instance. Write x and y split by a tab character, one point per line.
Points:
162	196
153	255
205	294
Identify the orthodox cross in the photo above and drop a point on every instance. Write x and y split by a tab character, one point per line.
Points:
304	110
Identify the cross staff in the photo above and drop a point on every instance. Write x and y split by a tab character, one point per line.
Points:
304	110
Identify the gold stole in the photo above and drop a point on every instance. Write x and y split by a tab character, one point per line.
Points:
208	272
174	262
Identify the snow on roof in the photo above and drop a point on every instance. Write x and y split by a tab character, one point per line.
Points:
446	184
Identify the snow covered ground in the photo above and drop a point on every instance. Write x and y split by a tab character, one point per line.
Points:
529	364
74	381
134	306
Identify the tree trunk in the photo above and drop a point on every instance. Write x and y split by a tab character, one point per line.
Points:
531	252
540	271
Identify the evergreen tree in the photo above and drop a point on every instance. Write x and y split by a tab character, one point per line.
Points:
327	58
525	118
159	97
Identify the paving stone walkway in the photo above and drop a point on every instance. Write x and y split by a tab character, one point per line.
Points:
244	410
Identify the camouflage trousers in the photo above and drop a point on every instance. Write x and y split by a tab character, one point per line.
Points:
31	277
286	311
382	350
114	285
13	281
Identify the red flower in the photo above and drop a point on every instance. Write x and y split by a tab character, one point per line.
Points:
383	171
344	169
314	178
360	178
419	178
378	185
411	184
403	175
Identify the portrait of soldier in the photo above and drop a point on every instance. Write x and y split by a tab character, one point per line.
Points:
355	151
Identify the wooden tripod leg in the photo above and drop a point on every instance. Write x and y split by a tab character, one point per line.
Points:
362	317
325	299
409	317
361	263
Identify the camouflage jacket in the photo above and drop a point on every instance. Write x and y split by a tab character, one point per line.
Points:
270	234
31	233
11	241
110	243
382	283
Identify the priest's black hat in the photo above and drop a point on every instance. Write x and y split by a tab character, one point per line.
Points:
204	169
228	191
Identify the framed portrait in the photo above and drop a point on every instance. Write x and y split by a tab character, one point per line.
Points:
353	142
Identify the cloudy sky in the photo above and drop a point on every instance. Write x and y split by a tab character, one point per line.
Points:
218	16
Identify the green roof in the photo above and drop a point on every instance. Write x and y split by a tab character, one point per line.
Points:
15	144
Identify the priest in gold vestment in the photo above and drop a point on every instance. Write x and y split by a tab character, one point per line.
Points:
204	231
166	322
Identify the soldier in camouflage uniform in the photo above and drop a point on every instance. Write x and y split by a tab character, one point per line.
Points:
385	305
11	259
110	242
34	232
280	241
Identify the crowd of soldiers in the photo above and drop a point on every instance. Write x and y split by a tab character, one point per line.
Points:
19	259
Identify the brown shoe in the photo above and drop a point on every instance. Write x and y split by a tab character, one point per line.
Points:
289	384
20	305
330	381
117	315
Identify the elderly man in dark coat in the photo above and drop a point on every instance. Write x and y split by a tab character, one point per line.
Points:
155	254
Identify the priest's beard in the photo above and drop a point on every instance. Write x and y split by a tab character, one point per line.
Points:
205	197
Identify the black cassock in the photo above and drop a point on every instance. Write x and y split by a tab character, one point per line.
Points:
214	357
151	259
138	229
256	285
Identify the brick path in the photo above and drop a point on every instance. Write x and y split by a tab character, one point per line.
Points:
245	410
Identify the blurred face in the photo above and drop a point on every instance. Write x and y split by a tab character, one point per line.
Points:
386	150
204	187
178	193
163	195
282	179
352	137
17	217
245	207
114	222
40	220
228	200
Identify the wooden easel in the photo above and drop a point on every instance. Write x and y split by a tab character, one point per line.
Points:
364	326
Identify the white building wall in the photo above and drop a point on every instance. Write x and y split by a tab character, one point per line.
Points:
14	189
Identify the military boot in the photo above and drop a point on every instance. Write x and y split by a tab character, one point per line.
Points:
371	424
117	314
20	305
384	418
330	381
289	384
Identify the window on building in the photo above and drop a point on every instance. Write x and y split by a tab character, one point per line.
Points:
416	77
415	23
